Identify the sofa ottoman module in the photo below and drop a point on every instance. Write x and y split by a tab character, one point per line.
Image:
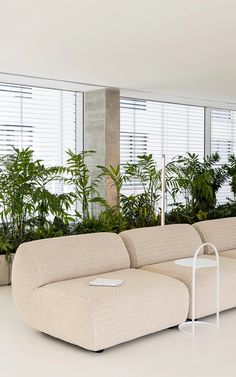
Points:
221	232
155	249
51	290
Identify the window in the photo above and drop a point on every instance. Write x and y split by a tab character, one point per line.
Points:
157	128
46	120
133	144
223	141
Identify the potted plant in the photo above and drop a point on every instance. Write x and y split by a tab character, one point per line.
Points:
6	260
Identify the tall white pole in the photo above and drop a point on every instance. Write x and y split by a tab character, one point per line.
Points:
163	189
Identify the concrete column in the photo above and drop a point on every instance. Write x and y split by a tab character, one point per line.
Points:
102	133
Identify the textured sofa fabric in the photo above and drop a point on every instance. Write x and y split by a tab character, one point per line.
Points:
158	244
100	317
71	257
228	253
155	249
51	290
220	232
205	284
51	260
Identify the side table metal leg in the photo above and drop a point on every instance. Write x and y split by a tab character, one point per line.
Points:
218	294
193	297
192	323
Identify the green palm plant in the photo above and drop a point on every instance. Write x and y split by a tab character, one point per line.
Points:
231	170
115	179
17	183
141	209
47	203
6	246
145	173
85	188
26	203
197	181
136	210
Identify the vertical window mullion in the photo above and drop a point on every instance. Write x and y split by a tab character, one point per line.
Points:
207	132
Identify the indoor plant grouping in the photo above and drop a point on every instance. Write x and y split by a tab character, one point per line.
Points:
30	210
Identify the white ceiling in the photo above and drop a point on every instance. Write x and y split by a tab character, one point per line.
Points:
179	47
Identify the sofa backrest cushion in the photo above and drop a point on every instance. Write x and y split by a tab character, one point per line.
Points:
220	232
160	243
69	257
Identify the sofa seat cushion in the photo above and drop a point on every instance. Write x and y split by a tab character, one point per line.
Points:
205	284
99	317
228	253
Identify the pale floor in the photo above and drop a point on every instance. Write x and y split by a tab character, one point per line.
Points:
25	352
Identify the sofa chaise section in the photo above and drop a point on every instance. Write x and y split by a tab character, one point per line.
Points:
51	290
220	232
155	249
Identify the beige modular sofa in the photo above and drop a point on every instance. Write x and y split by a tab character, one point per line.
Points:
51	288
220	232
154	249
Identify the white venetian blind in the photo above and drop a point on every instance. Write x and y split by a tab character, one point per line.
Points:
43	119
157	128
223	141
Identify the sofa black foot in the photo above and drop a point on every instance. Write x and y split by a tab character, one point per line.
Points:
99	351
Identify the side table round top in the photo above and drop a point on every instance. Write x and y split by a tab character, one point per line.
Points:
199	262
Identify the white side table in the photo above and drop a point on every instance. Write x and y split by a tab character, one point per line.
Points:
196	263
